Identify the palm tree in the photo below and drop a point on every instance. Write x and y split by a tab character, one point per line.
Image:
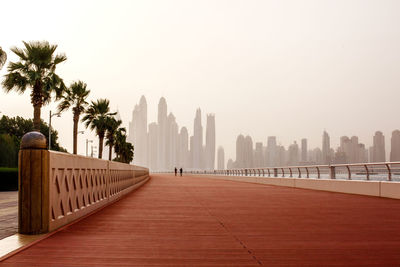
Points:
112	126
96	118
123	149
36	70
3	57
75	97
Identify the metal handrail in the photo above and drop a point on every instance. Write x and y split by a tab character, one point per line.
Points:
367	170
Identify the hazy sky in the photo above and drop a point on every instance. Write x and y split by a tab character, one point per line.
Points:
284	68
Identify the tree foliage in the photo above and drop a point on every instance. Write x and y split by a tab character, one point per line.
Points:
96	119
75	97
3	58
123	149
35	70
11	132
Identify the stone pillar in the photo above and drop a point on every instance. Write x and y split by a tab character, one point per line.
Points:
33	184
332	174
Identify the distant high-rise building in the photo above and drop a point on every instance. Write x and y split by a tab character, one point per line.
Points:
271	157
172	142
258	155
138	132
152	146
221	158
240	148
351	151
230	164
183	154
162	134
293	154
304	150
395	146
248	153
210	143
198	141
326	147
378	148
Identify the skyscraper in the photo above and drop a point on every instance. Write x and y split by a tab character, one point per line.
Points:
378	148
152	146
259	155
162	134
326	148
183	151
210	143
271	157
138	132
171	146
197	141
395	146
304	150
221	158
240	148
293	154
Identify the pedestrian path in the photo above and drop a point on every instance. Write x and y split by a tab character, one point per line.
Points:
192	221
8	213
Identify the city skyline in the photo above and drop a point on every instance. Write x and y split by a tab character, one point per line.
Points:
349	151
264	68
164	145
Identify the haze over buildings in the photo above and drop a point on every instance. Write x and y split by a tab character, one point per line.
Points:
163	146
350	150
266	68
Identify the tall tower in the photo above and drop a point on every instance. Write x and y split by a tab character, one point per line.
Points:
183	150
152	146
221	158
240	148
197	141
162	134
249	152
210	142
395	146
326	148
378	148
172	142
304	150
258	155
141	142
271	152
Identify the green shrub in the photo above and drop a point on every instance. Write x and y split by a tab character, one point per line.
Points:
8	179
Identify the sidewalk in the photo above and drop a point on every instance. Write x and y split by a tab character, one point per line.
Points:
201	221
8	213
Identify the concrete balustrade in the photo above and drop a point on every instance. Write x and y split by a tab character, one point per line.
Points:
58	188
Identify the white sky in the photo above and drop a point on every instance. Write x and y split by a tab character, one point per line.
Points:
284	68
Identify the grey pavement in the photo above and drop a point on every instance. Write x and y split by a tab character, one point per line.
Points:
8	213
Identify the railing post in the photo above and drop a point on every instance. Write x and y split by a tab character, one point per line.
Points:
348	172
367	171
33	185
332	172
275	172
389	172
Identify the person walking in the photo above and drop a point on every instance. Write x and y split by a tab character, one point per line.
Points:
176	171
181	171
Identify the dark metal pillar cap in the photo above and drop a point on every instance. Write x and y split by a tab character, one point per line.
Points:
33	140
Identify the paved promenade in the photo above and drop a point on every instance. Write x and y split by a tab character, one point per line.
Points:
200	221
8	213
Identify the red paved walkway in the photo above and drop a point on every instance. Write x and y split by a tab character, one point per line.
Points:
200	221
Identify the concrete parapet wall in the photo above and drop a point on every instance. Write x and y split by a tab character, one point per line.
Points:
56	188
369	188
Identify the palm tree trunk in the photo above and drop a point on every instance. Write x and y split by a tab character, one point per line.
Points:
75	133
101	138
36	117
110	152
